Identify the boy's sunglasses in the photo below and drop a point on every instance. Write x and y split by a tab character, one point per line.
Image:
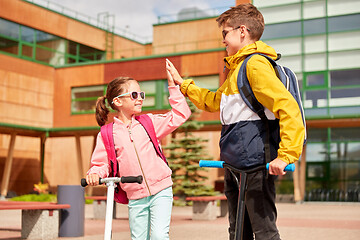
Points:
225	32
133	95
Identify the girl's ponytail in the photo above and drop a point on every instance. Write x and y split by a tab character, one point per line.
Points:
101	111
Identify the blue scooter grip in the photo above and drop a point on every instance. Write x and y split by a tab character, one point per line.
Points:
219	164
212	164
288	168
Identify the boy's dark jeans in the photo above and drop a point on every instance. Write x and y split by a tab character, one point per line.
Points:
260	211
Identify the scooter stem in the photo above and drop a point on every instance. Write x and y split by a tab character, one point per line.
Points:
109	209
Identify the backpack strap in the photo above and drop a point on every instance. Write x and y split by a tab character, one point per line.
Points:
148	125
249	98
107	136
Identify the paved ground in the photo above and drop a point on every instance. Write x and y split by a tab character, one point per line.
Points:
310	221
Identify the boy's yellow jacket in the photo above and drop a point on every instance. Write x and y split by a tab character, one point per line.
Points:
280	108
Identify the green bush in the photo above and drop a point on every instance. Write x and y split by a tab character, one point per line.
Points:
35	198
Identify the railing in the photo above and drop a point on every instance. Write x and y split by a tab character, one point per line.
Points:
170	48
102	21
192	13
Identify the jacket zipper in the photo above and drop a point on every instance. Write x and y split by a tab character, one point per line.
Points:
137	155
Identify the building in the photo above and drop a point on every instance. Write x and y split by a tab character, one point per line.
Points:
54	66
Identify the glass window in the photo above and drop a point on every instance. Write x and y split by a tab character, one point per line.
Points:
27	34
282	30
345	151
44	55
149	87
84	98
316	170
314	26
345	77
344	97
166	94
208	82
316	98
315	79
9	46
317	135
9	29
88	53
27	50
344	23
348	134
43	36
316	152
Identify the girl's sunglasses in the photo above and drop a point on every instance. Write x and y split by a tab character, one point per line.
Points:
133	95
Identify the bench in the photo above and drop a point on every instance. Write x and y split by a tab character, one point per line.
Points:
205	207
39	220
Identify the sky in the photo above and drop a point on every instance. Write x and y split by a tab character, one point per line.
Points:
132	16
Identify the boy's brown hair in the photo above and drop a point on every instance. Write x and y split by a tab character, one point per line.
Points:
244	14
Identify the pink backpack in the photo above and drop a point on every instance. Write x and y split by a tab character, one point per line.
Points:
107	135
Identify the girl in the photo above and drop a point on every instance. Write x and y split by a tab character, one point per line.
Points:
150	203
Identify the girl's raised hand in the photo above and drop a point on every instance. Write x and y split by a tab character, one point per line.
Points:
171	70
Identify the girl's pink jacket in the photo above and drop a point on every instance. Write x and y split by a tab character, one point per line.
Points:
135	152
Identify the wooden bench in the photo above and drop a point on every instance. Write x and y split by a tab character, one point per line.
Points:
39	220
205	207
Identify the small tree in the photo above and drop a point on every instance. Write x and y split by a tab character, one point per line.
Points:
183	157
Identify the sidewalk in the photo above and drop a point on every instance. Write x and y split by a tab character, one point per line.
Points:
315	220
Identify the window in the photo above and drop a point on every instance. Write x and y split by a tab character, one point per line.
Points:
345	77
83	99
312	26
149	87
157	94
43	47
344	23
282	30
210	82
315	80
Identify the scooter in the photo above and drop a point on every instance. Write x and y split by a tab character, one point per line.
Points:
242	188
111	185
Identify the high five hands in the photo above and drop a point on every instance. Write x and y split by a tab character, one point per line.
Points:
173	74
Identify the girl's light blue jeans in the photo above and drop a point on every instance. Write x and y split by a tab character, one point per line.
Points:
149	217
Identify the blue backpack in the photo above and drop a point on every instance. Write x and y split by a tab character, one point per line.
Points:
286	76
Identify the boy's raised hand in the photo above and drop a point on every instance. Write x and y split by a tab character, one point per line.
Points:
169	76
171	70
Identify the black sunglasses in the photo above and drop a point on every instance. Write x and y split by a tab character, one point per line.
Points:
225	32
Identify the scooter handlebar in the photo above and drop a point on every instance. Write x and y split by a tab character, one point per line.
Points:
220	164
211	164
132	179
129	179
84	183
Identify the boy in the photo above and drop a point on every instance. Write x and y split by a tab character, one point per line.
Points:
242	130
